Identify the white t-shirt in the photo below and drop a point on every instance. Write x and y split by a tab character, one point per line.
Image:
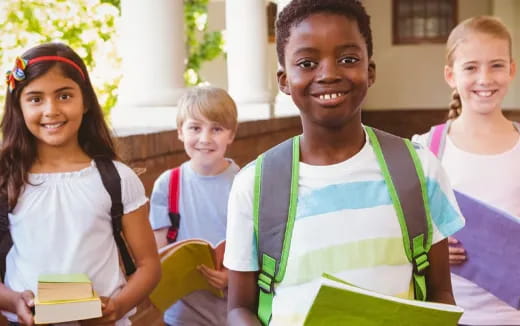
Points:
493	179
62	224
345	225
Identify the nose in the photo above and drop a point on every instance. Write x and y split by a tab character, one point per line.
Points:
51	108
205	136
328	71
484	76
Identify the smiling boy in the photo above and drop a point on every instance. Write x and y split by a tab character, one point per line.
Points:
345	222
206	124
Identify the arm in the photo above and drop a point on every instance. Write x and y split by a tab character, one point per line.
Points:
19	303
242	298
438	278
140	239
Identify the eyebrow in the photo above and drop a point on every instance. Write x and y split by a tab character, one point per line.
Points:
66	88
340	48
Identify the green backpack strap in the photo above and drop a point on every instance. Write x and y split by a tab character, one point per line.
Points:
404	177
274	210
276	194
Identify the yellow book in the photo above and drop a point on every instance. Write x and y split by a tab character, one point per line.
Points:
180	276
52	287
60	311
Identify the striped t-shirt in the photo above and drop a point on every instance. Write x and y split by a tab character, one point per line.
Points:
345	225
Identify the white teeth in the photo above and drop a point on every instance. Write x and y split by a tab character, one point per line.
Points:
54	125
484	93
330	96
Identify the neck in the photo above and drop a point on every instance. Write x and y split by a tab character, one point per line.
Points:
473	122
60	159
325	145
212	169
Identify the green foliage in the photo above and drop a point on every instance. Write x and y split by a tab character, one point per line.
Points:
202	45
88	26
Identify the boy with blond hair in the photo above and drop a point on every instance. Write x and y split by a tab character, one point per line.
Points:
206	124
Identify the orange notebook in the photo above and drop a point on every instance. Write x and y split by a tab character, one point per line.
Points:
180	276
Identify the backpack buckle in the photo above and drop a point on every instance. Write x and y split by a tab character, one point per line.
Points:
420	264
266	282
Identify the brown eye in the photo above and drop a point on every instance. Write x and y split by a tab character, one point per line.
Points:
306	64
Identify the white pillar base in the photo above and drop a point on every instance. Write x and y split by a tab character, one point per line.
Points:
254	111
284	106
127	121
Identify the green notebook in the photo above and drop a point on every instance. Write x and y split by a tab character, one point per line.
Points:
340	303
63	278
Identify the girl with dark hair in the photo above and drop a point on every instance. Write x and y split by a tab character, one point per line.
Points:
59	213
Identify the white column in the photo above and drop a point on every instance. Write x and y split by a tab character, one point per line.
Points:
152	48
246	43
284	105
509	12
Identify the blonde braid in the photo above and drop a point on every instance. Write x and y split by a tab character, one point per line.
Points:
455	105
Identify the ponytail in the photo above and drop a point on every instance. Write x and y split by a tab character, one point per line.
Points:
455	105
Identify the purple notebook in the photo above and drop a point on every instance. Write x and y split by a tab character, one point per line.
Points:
491	239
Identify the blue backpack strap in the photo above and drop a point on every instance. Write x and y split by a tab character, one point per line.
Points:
404	177
112	182
274	210
174	192
6	242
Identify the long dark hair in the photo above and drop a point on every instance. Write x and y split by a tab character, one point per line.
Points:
18	150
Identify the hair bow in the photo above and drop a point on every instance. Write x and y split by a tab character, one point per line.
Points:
17	74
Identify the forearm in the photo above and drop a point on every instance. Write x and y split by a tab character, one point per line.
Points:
140	284
8	298
442	297
242	316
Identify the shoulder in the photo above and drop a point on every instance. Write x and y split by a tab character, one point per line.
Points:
125	172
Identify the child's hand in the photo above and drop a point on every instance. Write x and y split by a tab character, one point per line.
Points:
109	311
24	303
457	252
216	278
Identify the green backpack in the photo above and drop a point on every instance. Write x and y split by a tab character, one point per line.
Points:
275	202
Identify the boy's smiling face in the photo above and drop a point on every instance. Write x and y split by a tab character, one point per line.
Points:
327	70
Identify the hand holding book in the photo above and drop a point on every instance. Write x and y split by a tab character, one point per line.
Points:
216	278
24	305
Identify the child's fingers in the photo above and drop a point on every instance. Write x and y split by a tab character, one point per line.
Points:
452	240
28	297
457	259
456	250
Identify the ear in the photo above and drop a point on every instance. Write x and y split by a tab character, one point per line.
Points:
371	73
512	69
449	77
282	81
179	134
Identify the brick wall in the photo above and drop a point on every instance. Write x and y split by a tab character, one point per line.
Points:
156	152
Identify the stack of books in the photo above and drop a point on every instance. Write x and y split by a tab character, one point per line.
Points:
64	298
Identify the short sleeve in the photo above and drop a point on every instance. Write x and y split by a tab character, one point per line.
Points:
446	216
421	139
241	251
132	189
159	217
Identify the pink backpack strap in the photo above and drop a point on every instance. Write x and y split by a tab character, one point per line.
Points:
437	139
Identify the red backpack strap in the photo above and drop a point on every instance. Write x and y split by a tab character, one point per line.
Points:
173	204
437	139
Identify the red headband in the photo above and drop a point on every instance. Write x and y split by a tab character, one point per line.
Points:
18	72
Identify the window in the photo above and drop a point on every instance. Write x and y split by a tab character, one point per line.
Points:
423	21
